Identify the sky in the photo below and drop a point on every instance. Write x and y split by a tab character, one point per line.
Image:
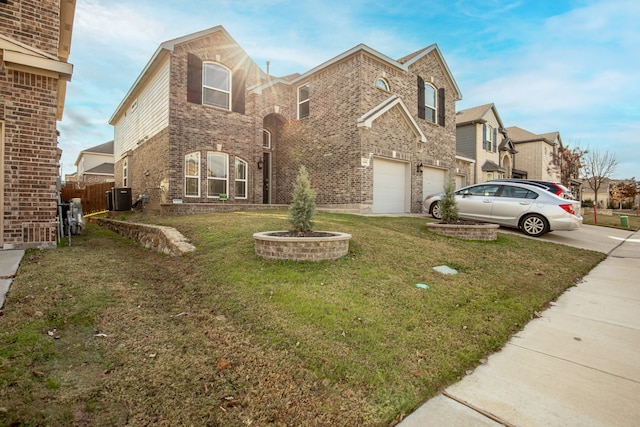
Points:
567	66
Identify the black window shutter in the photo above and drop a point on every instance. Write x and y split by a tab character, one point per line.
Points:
421	113
238	91
495	140
441	106
194	79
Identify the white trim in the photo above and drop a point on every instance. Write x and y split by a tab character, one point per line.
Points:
217	89
245	180
299	103
226	177
367	119
198	155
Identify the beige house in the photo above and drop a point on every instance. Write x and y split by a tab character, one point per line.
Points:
480	135
95	164
204	128
536	154
34	48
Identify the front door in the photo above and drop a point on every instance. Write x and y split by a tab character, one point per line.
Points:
266	178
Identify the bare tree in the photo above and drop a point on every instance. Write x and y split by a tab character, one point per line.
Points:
598	167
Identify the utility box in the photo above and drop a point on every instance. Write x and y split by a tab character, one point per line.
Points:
109	196
121	199
624	221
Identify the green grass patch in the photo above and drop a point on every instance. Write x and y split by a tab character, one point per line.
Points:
223	337
612	220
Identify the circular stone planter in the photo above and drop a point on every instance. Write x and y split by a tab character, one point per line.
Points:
466	231
331	245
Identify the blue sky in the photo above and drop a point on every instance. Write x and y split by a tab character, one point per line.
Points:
571	66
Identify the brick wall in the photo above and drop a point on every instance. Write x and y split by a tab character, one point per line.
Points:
32	22
30	158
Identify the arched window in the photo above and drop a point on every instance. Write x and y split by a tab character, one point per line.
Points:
217	174
382	84
216	85
241	179
192	175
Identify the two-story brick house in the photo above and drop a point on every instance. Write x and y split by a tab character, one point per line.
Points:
537	155
203	123
481	136
35	39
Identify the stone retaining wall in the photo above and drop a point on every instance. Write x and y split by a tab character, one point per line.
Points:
159	238
467	232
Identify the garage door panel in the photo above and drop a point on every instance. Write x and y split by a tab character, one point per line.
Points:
389	186
432	181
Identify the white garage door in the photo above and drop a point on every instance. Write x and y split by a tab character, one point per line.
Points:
432	181
389	186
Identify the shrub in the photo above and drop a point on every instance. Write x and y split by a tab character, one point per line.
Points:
303	207
448	205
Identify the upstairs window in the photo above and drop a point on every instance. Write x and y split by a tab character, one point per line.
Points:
382	84
192	175
303	101
487	141
217	173
216	85
430	103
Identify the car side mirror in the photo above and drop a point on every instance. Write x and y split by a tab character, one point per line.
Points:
466	193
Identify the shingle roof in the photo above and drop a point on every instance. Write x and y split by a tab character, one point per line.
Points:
103	169
472	114
106	148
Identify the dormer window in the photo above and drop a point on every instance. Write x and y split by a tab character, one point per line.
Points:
382	84
216	85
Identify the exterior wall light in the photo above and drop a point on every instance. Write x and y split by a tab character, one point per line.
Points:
419	167
260	164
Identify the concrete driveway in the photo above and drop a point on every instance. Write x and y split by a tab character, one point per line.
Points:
592	237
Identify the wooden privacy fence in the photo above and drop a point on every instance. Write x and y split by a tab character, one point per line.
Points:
93	197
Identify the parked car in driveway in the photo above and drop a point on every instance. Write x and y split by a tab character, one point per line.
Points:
555	187
532	209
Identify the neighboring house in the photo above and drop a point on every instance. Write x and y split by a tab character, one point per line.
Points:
536	154
204	124
480	135
35	39
95	164
603	193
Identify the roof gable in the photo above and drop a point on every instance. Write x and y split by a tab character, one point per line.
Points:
367	119
478	115
160	56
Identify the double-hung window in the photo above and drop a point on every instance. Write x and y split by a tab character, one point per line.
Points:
192	175
241	179
488	137
303	101
430	103
217	174
216	85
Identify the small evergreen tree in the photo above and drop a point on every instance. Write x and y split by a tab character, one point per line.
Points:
448	205
303	208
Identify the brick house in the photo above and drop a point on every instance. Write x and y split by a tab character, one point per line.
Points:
35	38
536	154
204	126
95	164
481	136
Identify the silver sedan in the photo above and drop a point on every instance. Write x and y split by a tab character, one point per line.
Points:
529	208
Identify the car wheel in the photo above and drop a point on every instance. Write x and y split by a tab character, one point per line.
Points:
534	225
435	210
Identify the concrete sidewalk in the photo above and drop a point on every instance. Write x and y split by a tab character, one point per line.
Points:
576	365
9	263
